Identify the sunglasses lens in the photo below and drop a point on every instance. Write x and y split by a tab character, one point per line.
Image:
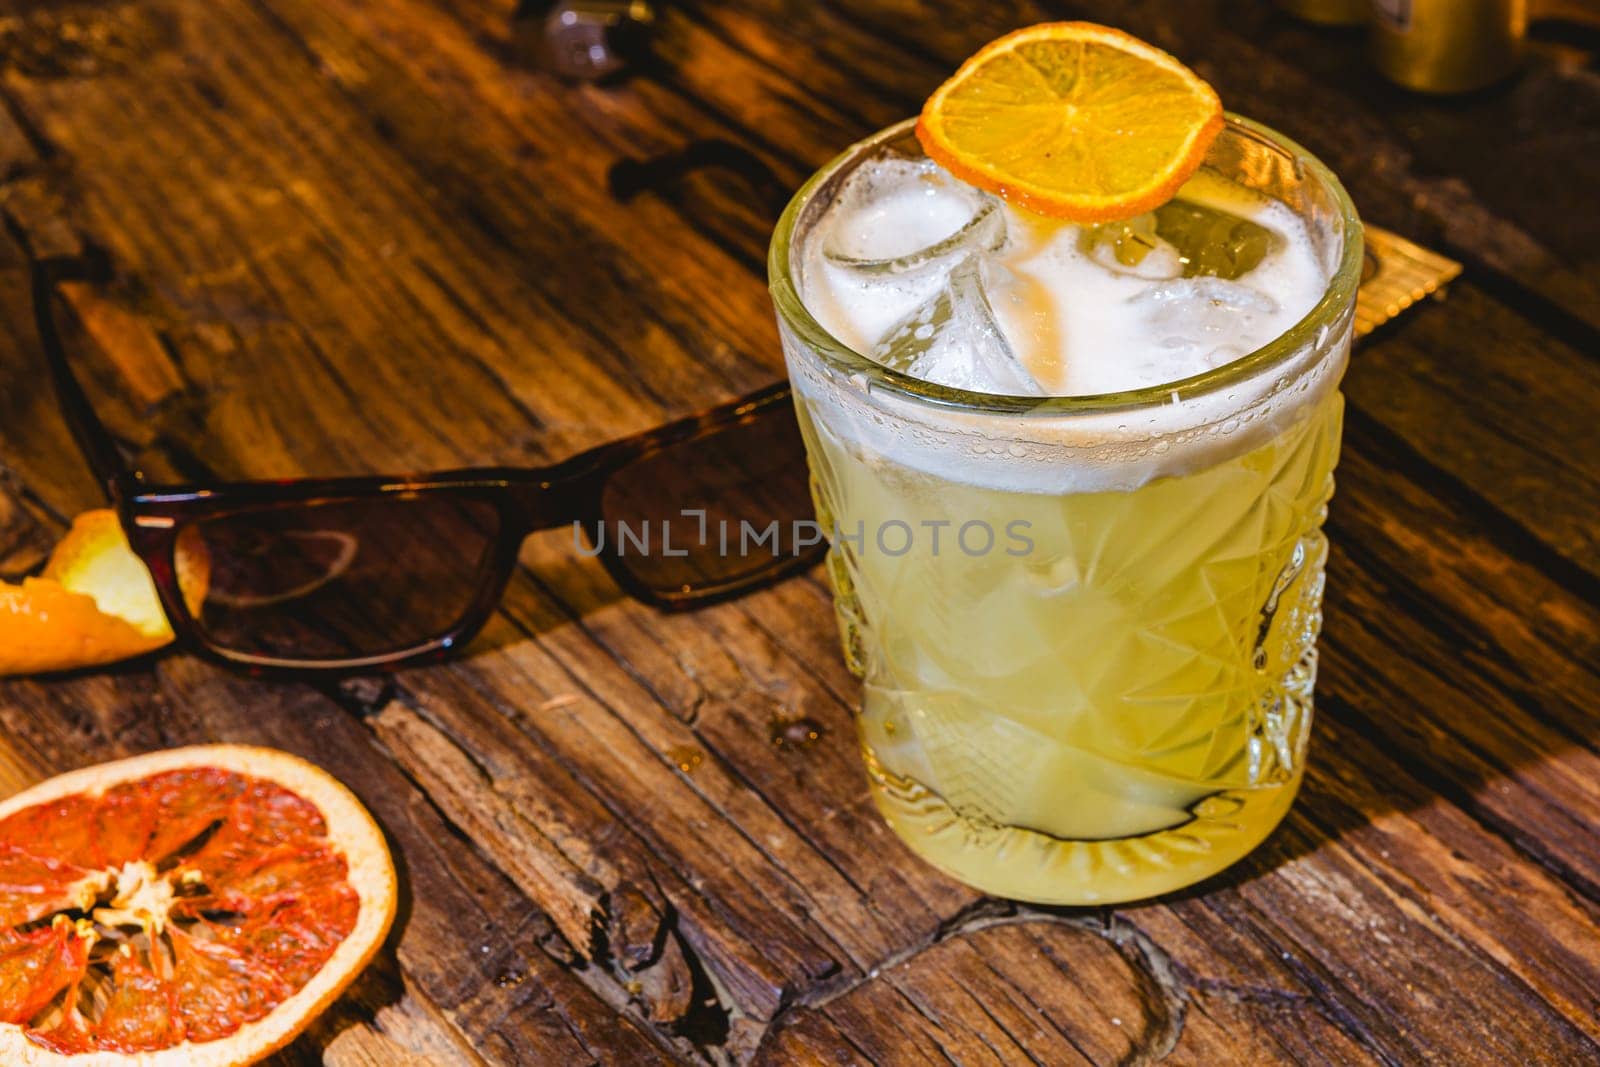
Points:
338	580
712	515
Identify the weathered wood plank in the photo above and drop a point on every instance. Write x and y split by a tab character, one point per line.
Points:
324	219
1491	699
24	537
1489	401
360	239
1038	987
408	1032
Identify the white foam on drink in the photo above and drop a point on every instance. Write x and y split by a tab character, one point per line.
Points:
1078	327
1117	331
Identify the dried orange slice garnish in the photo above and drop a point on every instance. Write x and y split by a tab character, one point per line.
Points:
94	603
1073	120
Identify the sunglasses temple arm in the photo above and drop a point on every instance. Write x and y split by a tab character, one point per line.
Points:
99	448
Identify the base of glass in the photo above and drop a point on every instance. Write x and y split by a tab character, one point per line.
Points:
1023	864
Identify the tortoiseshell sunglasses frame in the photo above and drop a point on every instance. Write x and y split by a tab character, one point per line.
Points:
526	500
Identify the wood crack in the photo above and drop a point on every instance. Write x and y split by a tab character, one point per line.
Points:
572	955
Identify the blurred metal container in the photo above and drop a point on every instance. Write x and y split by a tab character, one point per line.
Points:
1329	12
1448	46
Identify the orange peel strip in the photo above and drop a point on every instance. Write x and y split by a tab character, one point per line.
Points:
94	603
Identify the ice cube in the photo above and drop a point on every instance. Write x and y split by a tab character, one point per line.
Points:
1132	247
1210	242
902	216
953	339
1206	321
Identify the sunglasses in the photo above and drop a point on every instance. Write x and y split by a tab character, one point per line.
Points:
362	572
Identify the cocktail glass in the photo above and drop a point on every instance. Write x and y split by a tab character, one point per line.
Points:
1085	625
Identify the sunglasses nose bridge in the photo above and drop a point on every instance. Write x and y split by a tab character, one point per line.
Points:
548	502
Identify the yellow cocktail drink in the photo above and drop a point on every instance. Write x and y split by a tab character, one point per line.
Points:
1075	490
1120	706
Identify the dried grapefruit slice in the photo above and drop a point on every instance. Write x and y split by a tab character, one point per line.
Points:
1074	120
196	907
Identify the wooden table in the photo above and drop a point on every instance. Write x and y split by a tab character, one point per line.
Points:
362	236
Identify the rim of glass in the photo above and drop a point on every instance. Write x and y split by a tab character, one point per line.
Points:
1338	294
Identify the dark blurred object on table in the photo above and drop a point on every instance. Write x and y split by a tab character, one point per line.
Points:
1445	46
584	40
1329	12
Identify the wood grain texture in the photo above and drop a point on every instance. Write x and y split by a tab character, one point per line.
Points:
353	237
